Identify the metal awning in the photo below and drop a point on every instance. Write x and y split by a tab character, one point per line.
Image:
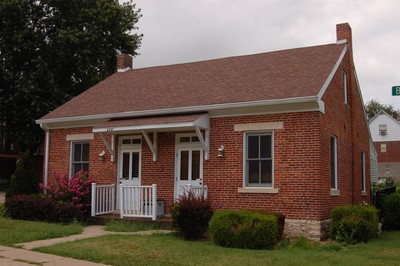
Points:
155	124
145	125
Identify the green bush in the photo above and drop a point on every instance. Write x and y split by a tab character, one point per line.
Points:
280	217
2	210
391	206
191	215
23	180
36	208
354	223
244	229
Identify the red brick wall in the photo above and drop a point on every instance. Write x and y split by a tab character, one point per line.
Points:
392	153
296	167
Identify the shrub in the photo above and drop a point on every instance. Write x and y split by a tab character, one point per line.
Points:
75	190
280	217
391	206
37	208
191	215
2	210
354	223
23	180
244	229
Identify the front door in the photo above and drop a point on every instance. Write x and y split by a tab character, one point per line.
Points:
189	166
130	167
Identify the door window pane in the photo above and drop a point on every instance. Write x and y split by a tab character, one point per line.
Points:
184	165
135	165
195	165
125	165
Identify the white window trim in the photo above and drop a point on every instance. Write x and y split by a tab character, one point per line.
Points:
344	75
247	189
364	185
71	151
334	190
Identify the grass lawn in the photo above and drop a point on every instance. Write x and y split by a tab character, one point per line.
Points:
169	250
18	231
130	226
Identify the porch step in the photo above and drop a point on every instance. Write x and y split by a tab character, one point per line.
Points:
161	222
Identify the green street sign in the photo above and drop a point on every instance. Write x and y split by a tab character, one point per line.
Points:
396	91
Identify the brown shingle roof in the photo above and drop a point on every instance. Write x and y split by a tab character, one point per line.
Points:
268	76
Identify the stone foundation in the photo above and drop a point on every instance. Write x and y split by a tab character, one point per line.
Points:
313	230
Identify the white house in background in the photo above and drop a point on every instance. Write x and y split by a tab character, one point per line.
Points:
385	133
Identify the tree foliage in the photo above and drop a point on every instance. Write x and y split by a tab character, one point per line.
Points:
52	50
373	107
23	181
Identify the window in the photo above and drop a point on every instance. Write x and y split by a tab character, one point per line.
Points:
382	130
79	157
363	172
345	87
259	162
383	147
334	174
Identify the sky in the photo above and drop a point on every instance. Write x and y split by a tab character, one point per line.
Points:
180	31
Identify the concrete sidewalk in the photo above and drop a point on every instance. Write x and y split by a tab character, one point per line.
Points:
24	256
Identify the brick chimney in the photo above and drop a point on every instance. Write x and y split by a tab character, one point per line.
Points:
343	32
124	62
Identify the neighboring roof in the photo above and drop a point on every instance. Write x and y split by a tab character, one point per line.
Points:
382	112
286	74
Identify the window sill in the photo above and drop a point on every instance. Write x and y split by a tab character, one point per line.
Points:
364	193
258	190
335	192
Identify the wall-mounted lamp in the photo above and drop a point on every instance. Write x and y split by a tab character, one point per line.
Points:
102	155
221	151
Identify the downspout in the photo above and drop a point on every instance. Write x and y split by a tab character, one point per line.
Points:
46	154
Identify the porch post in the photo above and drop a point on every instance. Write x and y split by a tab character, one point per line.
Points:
154	200
93	202
121	200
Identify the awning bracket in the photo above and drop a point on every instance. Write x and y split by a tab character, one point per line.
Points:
109	147
152	145
205	142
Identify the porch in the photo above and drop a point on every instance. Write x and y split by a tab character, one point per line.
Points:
134	202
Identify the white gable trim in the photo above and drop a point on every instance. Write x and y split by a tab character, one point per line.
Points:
330	77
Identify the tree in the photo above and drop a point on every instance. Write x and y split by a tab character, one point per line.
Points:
52	50
373	107
23	181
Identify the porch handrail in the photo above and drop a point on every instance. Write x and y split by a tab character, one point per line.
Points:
103	199
138	201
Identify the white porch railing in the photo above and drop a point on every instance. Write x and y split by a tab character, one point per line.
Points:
198	191
103	199
138	201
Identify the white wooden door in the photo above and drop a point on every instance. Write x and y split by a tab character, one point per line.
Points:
189	169
130	167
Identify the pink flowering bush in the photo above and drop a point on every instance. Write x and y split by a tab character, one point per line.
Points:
75	190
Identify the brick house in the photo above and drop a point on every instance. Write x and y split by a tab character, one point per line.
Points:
283	130
385	133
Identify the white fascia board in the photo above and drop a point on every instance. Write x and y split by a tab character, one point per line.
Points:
178	110
332	74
